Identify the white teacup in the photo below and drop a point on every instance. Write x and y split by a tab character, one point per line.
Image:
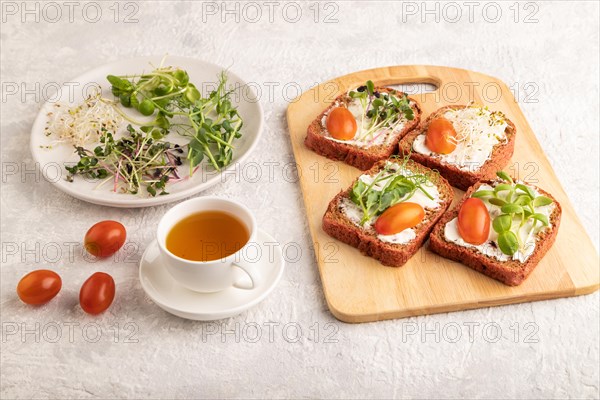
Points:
215	275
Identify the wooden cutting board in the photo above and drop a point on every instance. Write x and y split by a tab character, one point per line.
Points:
359	288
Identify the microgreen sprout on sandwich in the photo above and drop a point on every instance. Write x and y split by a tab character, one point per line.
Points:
392	185
501	228
520	210
463	136
466	144
364	125
389	210
381	111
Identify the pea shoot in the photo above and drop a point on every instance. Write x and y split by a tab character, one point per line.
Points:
518	205
212	123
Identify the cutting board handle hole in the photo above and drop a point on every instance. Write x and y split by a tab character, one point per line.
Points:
415	88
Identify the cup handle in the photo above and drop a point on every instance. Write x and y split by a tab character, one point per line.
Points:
252	271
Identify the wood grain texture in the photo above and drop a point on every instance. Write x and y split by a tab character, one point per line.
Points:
360	289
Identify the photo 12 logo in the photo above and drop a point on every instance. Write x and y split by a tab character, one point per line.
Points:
51	92
69	331
453	332
269	332
470	11
489	92
55	252
70	11
269	11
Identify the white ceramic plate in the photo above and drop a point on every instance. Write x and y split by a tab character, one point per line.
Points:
177	300
203	74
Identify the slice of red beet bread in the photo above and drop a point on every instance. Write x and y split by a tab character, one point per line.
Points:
510	272
337	225
457	177
361	158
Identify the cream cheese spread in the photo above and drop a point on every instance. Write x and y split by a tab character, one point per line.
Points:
384	136
478	131
354	213
527	236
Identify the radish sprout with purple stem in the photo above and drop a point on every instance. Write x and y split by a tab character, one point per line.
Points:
131	162
383	111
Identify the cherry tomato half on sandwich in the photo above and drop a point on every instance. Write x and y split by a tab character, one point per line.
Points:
105	238
341	124
474	221
39	287
398	218
441	136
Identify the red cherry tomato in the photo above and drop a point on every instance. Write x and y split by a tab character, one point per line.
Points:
97	293
341	124
441	136
398	218
474	221
105	238
39	287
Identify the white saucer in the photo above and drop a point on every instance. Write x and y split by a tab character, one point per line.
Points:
171	297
